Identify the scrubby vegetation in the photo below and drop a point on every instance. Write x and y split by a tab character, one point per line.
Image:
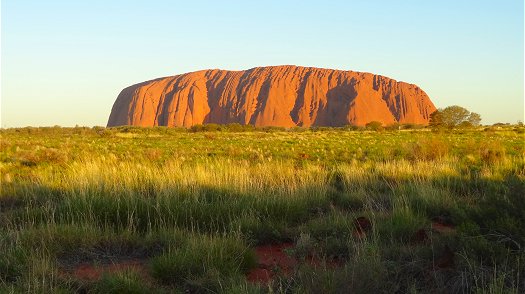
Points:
454	116
153	210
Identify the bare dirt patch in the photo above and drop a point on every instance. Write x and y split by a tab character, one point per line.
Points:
443	228
271	260
420	237
362	226
445	260
276	260
94	271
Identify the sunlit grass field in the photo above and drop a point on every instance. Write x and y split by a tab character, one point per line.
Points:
159	210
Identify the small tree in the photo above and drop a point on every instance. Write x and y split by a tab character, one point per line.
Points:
474	119
375	126
453	116
394	126
436	119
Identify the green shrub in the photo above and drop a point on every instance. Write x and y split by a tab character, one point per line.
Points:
374	126
411	126
492	152
205	128
428	149
236	127
202	257
393	127
352	128
271	129
122	282
401	226
13	264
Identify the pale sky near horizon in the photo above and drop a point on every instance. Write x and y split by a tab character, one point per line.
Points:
64	62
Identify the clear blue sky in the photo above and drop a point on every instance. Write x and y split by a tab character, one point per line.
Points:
64	62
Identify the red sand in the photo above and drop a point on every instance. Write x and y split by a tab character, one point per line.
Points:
260	275
273	259
446	260
94	272
272	256
362	226
420	237
443	228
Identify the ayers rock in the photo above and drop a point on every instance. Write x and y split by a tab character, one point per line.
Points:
284	96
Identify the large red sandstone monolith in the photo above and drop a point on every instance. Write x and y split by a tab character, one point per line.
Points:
271	96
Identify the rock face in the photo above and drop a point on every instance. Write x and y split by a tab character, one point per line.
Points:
284	96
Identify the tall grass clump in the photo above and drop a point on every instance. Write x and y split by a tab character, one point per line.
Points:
202	262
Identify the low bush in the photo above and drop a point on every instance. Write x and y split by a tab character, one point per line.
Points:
128	281
201	258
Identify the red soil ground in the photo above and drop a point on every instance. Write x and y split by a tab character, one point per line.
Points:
93	272
442	228
274	259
